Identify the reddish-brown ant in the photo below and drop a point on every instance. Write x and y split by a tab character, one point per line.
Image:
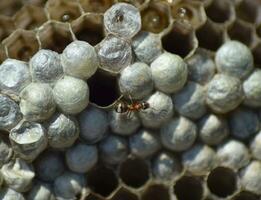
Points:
128	108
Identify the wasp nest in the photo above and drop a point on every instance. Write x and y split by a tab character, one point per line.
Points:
130	100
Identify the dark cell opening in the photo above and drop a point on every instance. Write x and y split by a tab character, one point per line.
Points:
247	10
92	197
103	89
241	32
124	194
89	30
102	181
156	192
205	32
246	196
178	42
257	54
222	182
188	188
134	172
219	11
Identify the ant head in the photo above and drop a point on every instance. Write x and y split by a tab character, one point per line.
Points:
121	107
145	105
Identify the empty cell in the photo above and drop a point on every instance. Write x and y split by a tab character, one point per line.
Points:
156	17
97	6
222	182
124	194
257	54
103	88
6	27
242	32
189	187
30	17
54	36
134	172
180	41
63	10
89	28
102	180
217	36
156	192
21	45
247	10
220	11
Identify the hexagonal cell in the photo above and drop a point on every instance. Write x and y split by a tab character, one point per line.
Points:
243	32
30	17
180	41
222	182
217	36
195	186
124	194
103	88
244	195
193	12
6	27
89	28
55	36
102	180
156	192
97	6
248	10
220	11
156	17
21	45
257	54
63	10
9	8
134	172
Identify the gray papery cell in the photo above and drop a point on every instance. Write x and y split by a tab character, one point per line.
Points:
113	149
62	131
122	19
69	185
28	140
9	194
244	123
18	175
165	166
37	102
159	112
251	177
79	59
71	95
213	129
93	123
179	134
233	154
49	165
234	59
255	146
46	66
135	81
199	160
41	191
114	54
81	157
252	89
147	46
14	76
201	67
10	114
169	72
6	152
224	93
190	101
144	143
122	124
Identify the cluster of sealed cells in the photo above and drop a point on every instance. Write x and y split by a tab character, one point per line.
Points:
66	64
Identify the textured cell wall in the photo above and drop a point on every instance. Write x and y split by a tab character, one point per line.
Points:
220	157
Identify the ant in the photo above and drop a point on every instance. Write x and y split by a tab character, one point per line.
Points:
125	107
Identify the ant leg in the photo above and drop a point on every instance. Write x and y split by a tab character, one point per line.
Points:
130	98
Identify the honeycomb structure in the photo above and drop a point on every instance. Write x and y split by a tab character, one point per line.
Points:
191	29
